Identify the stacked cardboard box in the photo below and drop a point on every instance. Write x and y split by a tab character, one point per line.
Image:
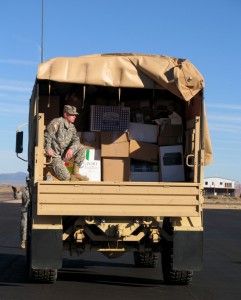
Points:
116	169
144	151
91	140
115	156
143	132
170	134
91	166
135	151
143	147
114	144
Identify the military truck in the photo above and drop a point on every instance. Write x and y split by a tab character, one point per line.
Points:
142	120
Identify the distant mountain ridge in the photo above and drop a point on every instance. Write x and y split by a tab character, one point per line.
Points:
13	178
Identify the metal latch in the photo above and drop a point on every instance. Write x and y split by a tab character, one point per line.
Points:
191	158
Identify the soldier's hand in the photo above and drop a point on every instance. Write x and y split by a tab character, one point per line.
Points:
69	154
50	152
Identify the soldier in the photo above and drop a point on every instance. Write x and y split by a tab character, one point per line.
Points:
62	144
23	194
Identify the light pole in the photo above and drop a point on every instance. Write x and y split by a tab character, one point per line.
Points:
42	34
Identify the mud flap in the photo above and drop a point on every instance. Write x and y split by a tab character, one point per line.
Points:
188	250
46	249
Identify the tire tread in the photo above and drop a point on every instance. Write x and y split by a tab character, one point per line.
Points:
146	259
44	275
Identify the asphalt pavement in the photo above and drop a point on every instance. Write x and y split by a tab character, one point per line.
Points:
93	276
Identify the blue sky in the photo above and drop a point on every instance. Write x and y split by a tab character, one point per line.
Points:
208	33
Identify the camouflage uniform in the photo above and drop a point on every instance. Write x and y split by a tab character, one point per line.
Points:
23	194
24	213
61	136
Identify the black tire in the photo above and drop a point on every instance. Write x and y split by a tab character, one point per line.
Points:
170	275
146	259
28	241
44	275
37	275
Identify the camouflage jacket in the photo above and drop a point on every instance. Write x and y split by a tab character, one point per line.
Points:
61	135
25	199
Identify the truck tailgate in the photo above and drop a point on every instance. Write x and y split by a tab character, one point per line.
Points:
118	199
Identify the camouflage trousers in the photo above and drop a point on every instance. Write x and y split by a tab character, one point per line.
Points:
59	168
23	225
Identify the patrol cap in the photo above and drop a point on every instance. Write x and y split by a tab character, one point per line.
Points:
70	109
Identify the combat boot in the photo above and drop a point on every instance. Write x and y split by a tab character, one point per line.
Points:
23	244
77	176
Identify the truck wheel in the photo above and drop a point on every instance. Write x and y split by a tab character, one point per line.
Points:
28	241
39	275
44	275
170	275
146	259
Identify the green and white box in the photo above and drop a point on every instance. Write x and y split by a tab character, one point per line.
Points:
91	166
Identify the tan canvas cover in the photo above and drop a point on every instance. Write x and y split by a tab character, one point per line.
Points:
178	76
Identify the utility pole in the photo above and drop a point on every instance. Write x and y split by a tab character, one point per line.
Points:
42	38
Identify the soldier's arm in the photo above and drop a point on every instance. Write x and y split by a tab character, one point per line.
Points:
75	142
49	133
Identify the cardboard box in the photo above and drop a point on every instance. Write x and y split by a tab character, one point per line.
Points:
143	132
171	130
114	144
91	166
170	134
144	151
171	164
145	176
169	140
90	139
115	169
109	118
